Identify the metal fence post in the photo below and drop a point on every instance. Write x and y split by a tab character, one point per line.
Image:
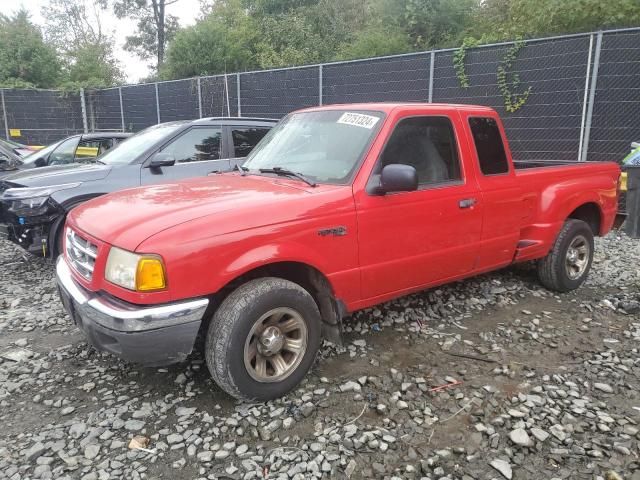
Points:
592	96
432	64
4	114
83	105
121	110
157	103
586	97
320	79
238	90
199	98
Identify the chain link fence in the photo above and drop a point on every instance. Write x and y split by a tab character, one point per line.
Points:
583	102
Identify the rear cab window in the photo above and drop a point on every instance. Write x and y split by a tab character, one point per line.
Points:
246	138
489	146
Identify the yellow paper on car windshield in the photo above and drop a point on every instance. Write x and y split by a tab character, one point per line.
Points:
358	120
14	132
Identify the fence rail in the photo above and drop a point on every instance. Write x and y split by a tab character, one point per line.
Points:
584	102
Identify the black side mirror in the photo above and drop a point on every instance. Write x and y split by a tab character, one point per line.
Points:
40	162
397	177
162	159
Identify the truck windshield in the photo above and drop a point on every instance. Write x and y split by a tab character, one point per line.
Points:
128	150
325	146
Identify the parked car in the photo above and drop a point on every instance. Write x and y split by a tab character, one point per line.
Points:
18	148
76	148
9	160
35	203
339	208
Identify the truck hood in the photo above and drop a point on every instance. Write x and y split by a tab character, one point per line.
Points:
58	174
127	218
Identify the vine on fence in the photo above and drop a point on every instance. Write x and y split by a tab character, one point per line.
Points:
459	58
512	100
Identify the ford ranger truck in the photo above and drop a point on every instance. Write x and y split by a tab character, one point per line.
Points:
337	209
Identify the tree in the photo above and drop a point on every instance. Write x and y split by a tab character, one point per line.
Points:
71	24
155	27
223	41
93	66
497	20
375	42
75	28
25	60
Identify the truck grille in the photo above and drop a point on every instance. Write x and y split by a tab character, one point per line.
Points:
81	253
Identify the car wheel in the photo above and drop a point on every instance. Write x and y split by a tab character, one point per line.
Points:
263	339
567	265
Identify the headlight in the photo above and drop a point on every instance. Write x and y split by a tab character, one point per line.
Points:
142	273
22	193
31	201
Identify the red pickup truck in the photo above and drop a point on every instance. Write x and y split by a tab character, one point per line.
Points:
337	209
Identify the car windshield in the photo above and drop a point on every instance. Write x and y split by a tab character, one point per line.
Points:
325	146
42	153
132	147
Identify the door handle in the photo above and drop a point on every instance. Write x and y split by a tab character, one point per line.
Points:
467	203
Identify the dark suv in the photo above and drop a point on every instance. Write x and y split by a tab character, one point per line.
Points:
34	203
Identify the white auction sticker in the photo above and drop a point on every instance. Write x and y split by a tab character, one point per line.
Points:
358	120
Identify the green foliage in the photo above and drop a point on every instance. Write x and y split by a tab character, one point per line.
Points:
498	20
459	59
94	66
374	42
512	100
85	50
223	41
436	23
25	60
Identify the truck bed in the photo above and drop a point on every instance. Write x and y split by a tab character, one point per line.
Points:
526	164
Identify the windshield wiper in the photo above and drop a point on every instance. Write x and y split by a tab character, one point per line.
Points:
284	172
243	170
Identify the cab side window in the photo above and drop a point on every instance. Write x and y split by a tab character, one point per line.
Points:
197	145
64	153
245	138
90	149
428	144
489	146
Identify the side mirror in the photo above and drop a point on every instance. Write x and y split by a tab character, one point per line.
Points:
162	159
41	162
397	177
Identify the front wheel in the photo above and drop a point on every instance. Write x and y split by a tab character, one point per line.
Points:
567	265
263	339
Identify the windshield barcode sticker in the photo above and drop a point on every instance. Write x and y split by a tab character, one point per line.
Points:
358	120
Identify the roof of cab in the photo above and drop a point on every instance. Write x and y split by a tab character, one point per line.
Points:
234	120
388	107
89	136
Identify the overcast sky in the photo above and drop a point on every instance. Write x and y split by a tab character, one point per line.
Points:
134	68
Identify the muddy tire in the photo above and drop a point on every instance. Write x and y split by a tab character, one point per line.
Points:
263	339
567	265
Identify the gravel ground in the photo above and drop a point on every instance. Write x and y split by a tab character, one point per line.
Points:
490	378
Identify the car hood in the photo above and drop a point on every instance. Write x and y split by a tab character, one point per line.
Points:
127	218
58	175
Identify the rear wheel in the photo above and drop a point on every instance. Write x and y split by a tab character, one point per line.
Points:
263	339
567	265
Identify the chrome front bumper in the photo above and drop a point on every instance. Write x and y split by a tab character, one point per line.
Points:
155	335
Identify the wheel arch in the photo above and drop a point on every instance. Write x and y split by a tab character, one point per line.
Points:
591	214
309	277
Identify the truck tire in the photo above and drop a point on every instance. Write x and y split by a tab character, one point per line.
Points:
263	339
567	265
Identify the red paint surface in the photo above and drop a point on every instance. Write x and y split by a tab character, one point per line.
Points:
211	230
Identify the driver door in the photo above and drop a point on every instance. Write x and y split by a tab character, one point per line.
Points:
410	240
198	151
